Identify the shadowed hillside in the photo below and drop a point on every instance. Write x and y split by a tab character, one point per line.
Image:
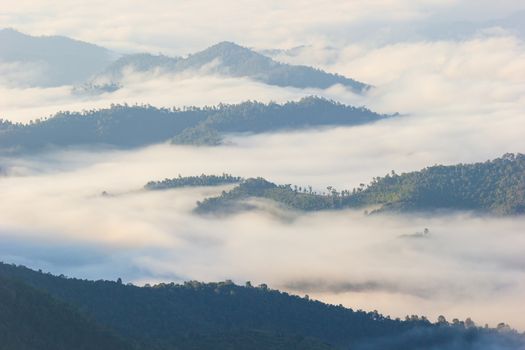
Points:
133	126
195	315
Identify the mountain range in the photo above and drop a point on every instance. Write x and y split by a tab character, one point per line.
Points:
232	60
57	60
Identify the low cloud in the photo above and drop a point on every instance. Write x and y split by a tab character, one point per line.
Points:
154	88
463	102
53	209
185	26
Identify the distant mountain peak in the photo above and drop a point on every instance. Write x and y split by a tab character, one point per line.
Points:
230	45
9	30
230	49
60	60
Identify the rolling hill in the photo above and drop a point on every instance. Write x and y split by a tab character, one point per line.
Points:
126	126
33	320
496	187
223	315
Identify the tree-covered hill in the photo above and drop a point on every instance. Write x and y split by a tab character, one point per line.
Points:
294	198
223	315
32	320
254	117
496	186
230	59
133	126
193	181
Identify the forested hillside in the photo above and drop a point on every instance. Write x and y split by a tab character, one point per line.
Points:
254	117
133	126
32	320
193	181
195	315
496	187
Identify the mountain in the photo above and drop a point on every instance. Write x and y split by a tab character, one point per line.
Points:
227	316
32	320
140	62
255	117
50	60
56	60
232	60
134	126
496	187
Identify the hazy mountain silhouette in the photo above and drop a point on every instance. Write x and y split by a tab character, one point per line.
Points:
232	60
51	60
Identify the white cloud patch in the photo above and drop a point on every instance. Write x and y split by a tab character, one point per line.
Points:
190	25
58	220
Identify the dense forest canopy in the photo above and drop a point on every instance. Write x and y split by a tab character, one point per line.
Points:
496	186
133	126
31	319
193	181
195	314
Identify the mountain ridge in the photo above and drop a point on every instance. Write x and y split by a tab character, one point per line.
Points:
125	126
495	187
58	60
166	315
230	59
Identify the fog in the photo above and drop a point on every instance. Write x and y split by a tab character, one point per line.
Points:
55	218
182	27
481	77
460	100
25	104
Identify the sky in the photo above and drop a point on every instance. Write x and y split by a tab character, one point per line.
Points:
184	26
461	98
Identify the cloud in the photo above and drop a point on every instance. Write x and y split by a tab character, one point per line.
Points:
52	210
185	26
20	74
463	100
25	104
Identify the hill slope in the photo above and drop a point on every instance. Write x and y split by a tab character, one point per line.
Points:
52	60
232	60
32	320
496	187
133	126
168	316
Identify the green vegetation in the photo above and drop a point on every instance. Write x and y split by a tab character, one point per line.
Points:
255	117
193	181
236	199
32	320
133	126
496	187
225	316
